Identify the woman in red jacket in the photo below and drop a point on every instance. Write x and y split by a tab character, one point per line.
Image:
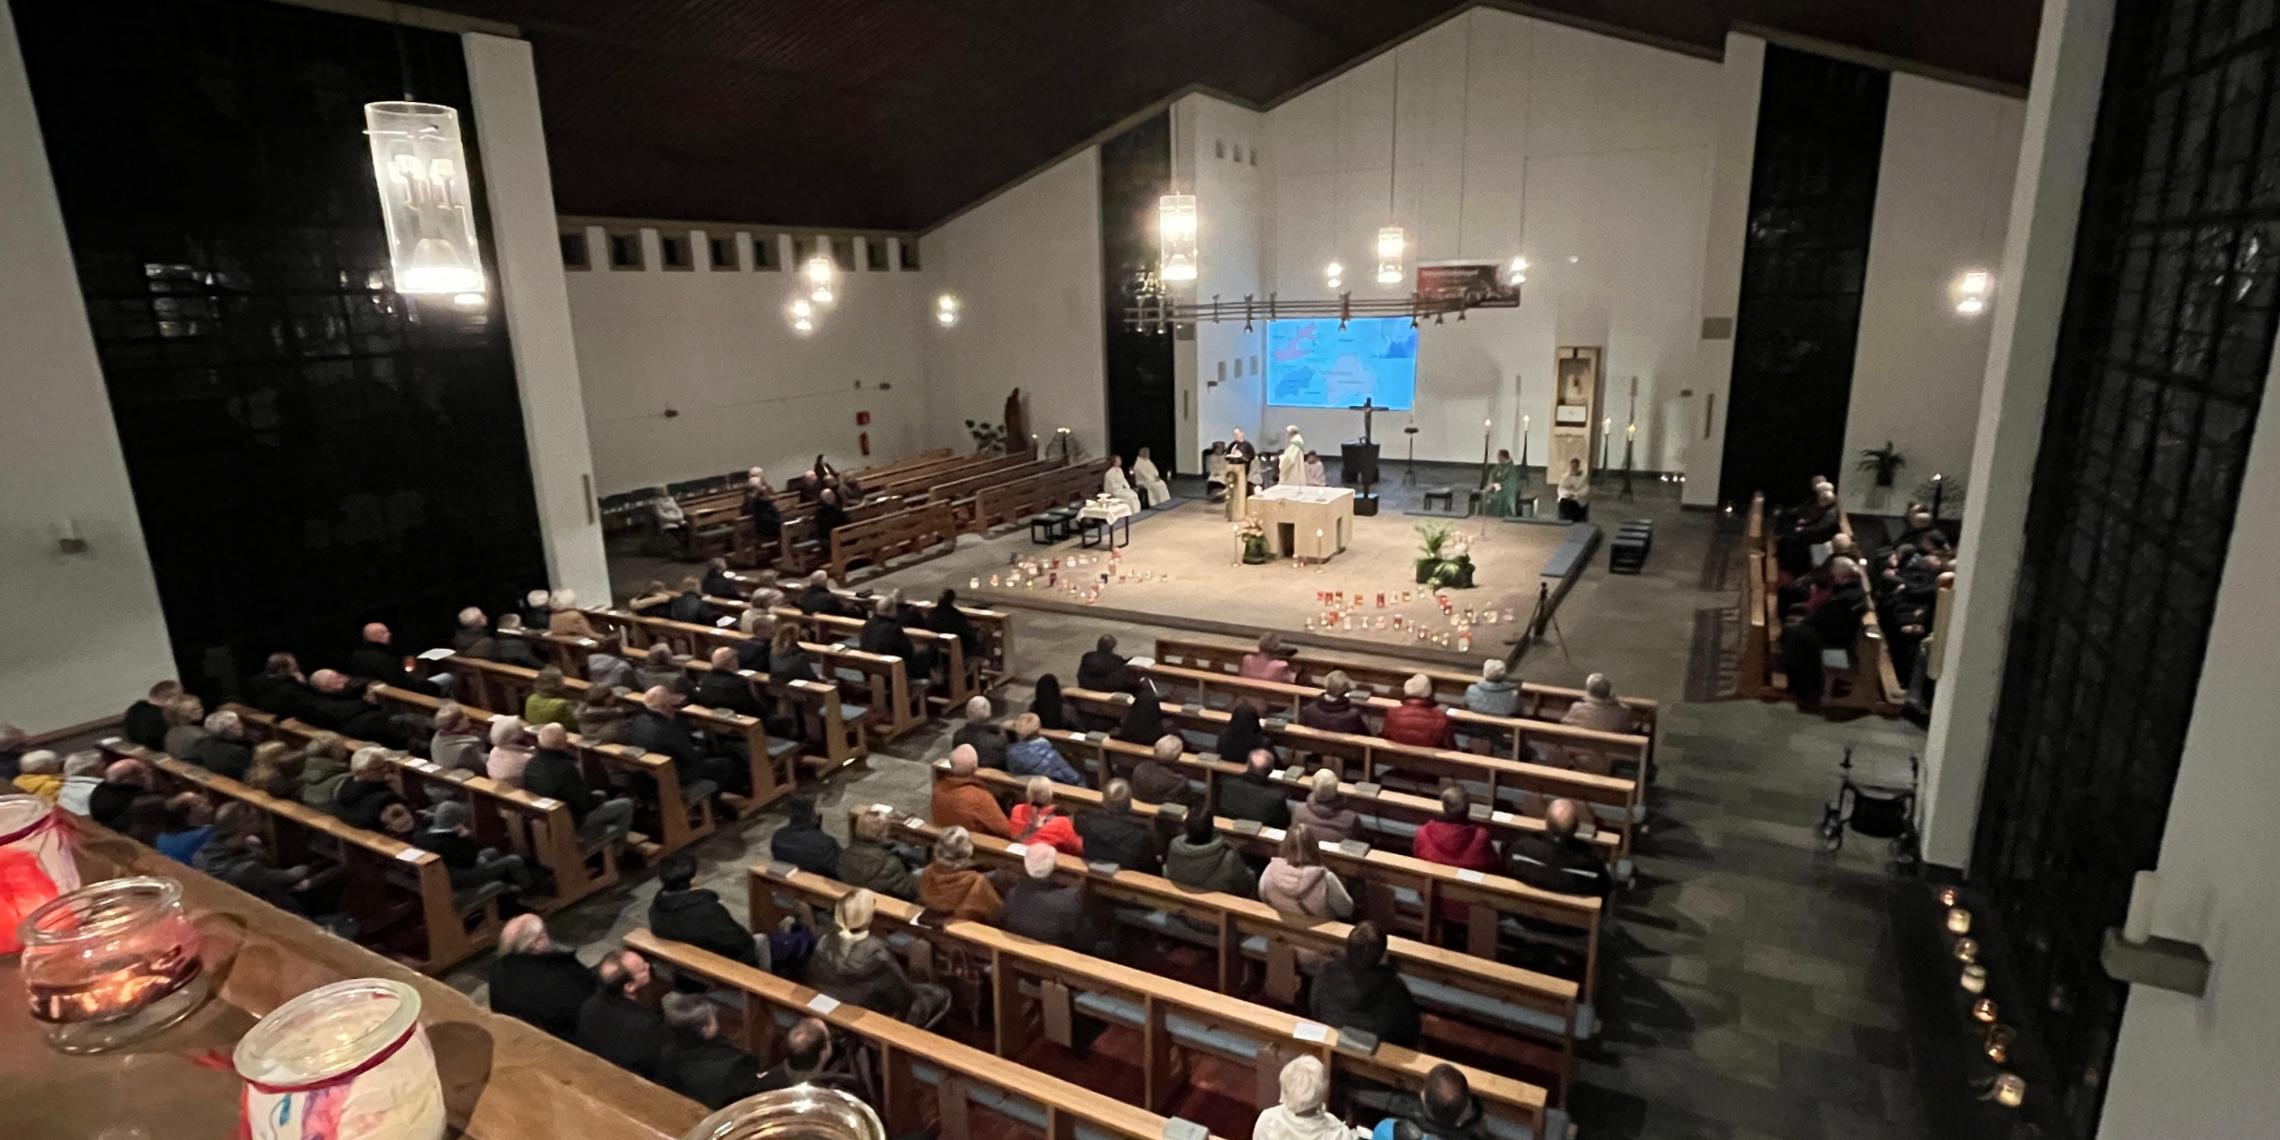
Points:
1039	821
1418	719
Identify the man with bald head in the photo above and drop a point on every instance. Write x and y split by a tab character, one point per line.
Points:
376	658
657	728
618	1024
1557	859
1114	834
961	799
1051	912
811	1057
724	688
982	733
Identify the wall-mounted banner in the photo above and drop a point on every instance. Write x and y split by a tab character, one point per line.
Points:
1478	284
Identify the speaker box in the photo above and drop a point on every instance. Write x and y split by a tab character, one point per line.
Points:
1357	463
1366	505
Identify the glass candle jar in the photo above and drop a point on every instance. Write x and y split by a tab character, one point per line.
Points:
35	862
348	1061
111	963
1974	978
802	1112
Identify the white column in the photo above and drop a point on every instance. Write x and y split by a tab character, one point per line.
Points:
537	308
81	635
1702	434
2038	253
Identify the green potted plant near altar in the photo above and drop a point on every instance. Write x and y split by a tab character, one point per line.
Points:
1445	560
1254	538
1883	463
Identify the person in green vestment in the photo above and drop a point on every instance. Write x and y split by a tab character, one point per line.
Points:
1501	499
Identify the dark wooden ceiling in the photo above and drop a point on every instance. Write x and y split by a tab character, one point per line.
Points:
894	114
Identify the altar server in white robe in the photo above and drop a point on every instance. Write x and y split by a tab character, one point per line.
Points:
1292	470
1149	480
1117	486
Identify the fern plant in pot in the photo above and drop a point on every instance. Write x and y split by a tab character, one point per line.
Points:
1884	463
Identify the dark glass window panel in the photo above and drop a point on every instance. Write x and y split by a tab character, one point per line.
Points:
2160	371
308	451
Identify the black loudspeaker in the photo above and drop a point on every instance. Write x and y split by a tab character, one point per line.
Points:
1357	463
1366	505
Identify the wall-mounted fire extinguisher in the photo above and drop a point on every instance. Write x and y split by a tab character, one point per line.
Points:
863	438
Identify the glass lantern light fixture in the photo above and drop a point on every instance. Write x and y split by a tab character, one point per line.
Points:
1391	244
419	165
946	310
802	314
1517	272
819	273
1176	237
1334	274
1971	291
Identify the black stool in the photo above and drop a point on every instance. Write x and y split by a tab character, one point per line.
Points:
1051	526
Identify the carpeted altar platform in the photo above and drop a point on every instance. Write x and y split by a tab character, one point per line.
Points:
1183	569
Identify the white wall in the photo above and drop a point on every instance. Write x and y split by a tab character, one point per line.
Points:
1701	407
1219	150
1516	136
1943	196
2203	1067
717	347
536	301
2038	257
81	635
1027	265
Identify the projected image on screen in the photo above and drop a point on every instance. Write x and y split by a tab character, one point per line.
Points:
1315	364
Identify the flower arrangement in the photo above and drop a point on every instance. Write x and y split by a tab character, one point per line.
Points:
1446	559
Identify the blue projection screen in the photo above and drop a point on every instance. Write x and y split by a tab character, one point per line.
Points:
1315	364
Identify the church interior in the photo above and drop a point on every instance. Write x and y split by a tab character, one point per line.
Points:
1565	570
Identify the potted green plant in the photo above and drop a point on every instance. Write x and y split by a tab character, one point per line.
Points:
1882	462
1444	559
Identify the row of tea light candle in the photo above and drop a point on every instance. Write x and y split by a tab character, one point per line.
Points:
2008	1088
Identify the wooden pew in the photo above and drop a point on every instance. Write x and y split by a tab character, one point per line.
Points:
994	625
897	703
503	816
836	734
1015	500
1518	1002
1521	738
1864	680
1417	886
677	818
909	532
1392	814
917	1068
961	494
1616	801
1537	701
1167	1013
387	881
963	676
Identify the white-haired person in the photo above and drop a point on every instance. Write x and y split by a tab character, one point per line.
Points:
186	725
511	746
537	982
565	618
1325	809
862	970
820	598
1600	709
367	792
1049	910
1493	694
963	800
980	731
952	884
1418	719
759	617
457	744
1303	1113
